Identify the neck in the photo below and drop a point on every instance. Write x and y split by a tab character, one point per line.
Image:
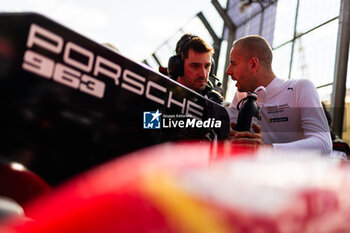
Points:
265	78
269	80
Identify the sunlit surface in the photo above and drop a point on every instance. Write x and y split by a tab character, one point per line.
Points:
17	166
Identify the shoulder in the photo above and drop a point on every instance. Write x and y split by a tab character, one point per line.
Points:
299	85
304	83
307	94
297	82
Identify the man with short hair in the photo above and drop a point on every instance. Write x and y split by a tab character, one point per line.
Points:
291	113
192	64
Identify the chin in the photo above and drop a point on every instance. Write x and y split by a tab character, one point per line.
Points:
240	89
201	88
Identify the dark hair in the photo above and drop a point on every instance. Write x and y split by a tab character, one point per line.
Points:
189	41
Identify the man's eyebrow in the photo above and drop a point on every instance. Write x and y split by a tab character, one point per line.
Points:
195	63
199	62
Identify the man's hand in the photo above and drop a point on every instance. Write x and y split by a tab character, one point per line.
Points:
246	137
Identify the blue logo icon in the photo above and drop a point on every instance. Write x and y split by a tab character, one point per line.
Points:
151	120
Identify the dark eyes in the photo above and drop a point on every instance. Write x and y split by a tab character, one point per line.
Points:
196	65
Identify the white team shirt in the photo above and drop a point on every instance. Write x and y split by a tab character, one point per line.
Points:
292	116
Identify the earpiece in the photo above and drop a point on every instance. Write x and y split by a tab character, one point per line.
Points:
217	81
176	62
176	66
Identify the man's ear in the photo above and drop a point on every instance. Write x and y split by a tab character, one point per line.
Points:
254	64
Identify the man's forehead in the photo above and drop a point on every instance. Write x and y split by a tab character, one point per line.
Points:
198	57
234	53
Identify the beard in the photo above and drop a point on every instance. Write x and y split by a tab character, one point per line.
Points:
200	83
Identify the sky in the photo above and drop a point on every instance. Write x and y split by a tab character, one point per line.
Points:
135	27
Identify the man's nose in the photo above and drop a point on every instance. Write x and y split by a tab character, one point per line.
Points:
203	72
228	71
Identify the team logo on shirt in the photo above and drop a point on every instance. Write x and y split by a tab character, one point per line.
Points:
277	108
276	120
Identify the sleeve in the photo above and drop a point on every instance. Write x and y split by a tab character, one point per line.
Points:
313	121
